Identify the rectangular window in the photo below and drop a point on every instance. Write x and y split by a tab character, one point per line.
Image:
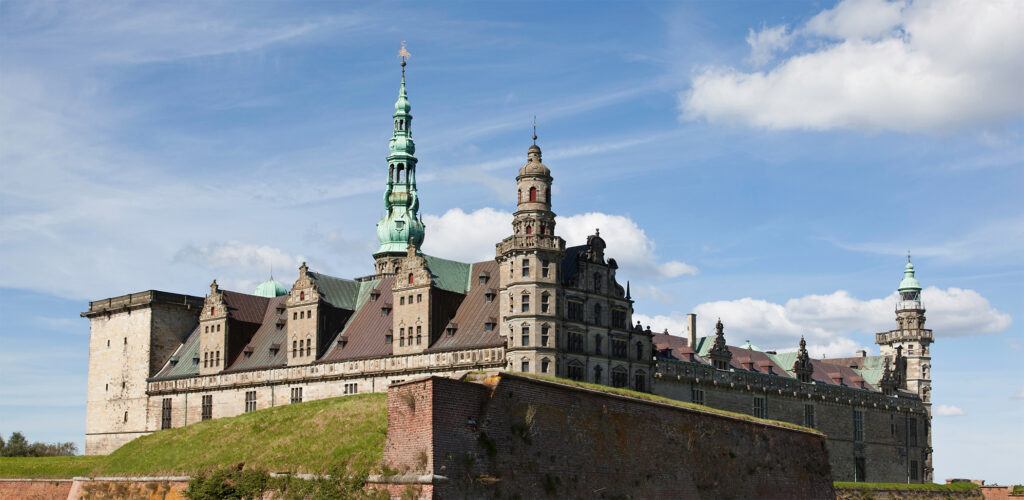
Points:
544	336
913	470
618	318
574	372
759	406
575	311
697	396
526	267
526	336
352	388
165	414
619	348
639	382
575	342
388	338
544	303
488	297
544	268
544	366
296	394
250	401
207	407
401	301
526	303
858	425
489	327
809	416
619	379
419	298
860	467
912	431
526	365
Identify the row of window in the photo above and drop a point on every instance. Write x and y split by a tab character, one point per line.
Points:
211	359
403	338
302	348
302	314
125	341
545	299
524	336
419	298
619	378
545	268
206	329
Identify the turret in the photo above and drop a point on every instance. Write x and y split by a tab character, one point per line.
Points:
529	261
401	221
907	347
720	354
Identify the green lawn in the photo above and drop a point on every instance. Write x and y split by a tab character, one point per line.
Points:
305	437
962	486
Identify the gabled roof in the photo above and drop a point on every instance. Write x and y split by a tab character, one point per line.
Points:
473	313
269	333
184	367
869	367
449	274
338	292
244	307
366	330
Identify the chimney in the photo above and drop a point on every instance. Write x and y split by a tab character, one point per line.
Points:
691	330
862	353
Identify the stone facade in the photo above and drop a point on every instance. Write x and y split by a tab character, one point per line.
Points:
161	360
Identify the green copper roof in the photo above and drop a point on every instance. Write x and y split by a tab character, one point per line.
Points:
909	282
449	274
270	289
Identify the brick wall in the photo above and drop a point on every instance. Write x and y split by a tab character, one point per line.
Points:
523	437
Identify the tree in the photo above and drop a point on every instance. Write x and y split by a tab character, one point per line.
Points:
17	446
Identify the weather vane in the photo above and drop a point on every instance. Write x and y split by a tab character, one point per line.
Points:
534	130
403	54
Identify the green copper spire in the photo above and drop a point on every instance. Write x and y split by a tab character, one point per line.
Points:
270	289
401	220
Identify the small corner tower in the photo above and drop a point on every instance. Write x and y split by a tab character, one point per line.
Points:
908	346
529	261
401	221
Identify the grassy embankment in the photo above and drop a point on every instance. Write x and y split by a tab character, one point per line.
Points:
960	486
308	437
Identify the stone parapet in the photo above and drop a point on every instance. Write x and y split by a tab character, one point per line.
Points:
142	299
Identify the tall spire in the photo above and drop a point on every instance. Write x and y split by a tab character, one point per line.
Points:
910	288
401	223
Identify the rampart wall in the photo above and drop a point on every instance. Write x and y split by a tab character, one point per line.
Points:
519	436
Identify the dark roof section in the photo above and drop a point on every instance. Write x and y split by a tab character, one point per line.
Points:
244	307
569	263
184	367
473	313
272	331
825	371
366	330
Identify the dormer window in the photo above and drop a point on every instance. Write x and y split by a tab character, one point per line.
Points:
450	330
489	326
374	295
385	309
489	296
274	348
483	278
174	361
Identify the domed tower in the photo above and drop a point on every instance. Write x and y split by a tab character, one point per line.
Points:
401	221
529	261
907	349
270	289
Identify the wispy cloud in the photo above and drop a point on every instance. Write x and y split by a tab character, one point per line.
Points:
948	411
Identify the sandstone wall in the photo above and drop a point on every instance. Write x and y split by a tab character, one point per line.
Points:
530	438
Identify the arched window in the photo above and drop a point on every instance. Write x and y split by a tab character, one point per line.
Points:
519	196
302	295
213	311
529	229
126	417
401	124
597	374
410	278
533	194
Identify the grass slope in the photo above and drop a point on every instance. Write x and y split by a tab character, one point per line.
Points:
304	437
959	486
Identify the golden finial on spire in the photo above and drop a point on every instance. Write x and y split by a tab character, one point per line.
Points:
403	53
534	130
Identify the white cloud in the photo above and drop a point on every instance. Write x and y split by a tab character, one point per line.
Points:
948	411
239	256
766	42
857	19
878	65
471	237
829	321
1018	395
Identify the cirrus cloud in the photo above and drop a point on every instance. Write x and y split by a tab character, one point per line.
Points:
948	411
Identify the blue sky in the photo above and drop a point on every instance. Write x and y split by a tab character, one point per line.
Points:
769	163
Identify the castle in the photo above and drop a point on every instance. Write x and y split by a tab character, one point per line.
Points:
159	360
